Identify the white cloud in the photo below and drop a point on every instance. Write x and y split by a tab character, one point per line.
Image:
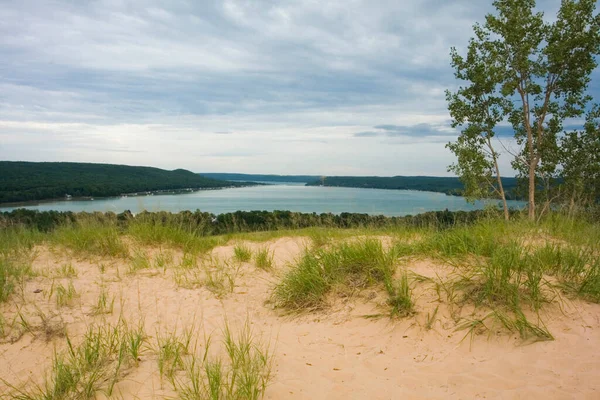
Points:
157	83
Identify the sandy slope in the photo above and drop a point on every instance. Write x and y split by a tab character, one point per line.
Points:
337	354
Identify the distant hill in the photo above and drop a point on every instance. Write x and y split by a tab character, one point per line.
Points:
25	181
448	185
261	178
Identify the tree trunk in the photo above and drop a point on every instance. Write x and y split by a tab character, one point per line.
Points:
503	196
572	204
500	186
532	165
532	161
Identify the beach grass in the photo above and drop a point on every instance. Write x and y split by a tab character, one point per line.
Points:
90	237
83	369
242	371
263	259
242	253
353	265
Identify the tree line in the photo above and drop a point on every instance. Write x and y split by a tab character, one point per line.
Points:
447	185
206	224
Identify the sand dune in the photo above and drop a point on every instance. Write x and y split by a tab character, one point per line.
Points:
331	354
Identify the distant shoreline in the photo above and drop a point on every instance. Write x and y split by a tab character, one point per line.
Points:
160	192
449	185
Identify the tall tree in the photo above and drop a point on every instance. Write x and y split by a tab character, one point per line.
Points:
480	108
541	69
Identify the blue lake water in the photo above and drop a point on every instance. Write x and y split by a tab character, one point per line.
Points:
293	197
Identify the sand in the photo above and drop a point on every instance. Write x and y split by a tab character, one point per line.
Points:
336	353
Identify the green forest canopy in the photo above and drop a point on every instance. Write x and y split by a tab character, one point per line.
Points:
25	181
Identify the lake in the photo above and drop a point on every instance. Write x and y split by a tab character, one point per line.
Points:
293	197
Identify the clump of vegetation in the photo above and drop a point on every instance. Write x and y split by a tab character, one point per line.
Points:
139	261
180	235
400	296
171	350
16	244
503	279
67	271
216	275
64	296
39	324
134	339
105	303
188	261
264	259
163	260
577	268
18	240
97	363
319	237
220	276
244	372
90	236
514	322
13	272
354	265
303	287
242	253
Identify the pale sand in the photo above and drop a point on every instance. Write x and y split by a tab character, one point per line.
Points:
333	354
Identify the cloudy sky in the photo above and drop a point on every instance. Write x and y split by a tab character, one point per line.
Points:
292	87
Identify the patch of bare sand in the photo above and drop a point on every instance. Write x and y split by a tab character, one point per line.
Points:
336	354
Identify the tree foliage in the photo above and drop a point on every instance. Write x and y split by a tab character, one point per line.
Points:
529	72
580	162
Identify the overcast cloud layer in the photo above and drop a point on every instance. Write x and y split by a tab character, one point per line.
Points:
292	87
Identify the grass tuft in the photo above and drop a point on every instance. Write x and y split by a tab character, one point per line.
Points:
105	303
139	261
244	372
242	253
163	260
400	299
264	259
66	271
171	350
64	296
220	276
352	266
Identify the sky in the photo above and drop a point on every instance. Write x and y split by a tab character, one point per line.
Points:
286	87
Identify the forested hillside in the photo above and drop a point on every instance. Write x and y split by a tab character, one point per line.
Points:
448	185
261	177
24	181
